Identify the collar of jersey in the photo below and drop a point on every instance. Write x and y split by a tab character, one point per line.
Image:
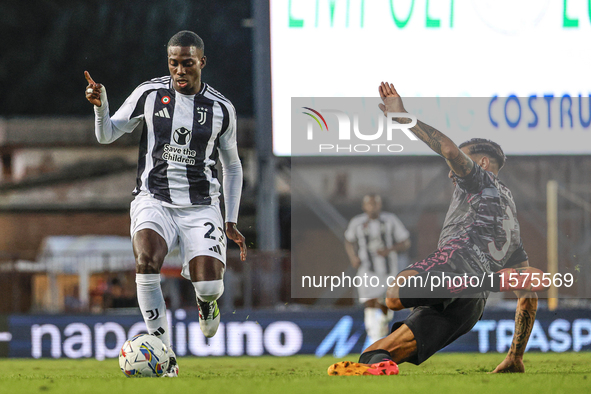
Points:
200	93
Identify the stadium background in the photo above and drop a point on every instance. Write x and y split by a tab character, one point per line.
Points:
66	280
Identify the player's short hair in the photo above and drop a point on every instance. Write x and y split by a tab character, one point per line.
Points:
488	148
186	38
372	195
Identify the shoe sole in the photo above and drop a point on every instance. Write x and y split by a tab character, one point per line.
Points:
348	368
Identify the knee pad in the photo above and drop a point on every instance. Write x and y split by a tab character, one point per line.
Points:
209	291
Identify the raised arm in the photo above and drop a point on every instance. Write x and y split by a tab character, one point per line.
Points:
525	316
93	90
108	129
457	160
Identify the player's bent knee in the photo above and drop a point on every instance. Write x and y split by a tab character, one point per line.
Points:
206	269
394	304
145	264
209	291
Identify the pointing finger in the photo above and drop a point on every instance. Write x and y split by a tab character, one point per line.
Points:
88	78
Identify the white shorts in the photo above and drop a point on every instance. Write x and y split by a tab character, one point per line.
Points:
366	293
197	230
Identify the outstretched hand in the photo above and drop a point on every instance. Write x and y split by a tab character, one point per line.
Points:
510	365
391	98
235	235
93	90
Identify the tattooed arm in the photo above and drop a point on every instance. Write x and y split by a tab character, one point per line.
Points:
457	160
525	316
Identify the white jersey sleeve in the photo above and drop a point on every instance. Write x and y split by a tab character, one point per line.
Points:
231	166
350	233
228	137
232	171
109	129
399	232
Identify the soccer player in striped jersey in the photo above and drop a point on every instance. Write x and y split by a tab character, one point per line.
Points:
373	240
186	126
480	239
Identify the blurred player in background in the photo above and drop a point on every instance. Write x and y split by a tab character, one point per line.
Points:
373	240
480	238
186	126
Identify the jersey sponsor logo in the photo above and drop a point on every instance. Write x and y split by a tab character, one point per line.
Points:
481	256
508	226
179	155
202	112
163	113
165	100
182	136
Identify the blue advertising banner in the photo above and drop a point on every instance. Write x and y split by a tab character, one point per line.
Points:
255	333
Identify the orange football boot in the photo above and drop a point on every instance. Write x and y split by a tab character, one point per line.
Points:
348	368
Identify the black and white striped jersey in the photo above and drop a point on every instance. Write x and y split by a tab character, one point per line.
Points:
180	138
372	235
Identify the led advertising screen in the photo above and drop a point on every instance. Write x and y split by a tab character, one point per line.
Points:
526	59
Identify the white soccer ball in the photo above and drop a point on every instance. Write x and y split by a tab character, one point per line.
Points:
143	356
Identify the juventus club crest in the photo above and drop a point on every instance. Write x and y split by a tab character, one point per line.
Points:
201	115
182	136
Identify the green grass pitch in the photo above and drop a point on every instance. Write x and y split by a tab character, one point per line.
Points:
443	373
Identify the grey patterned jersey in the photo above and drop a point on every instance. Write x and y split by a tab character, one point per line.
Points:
482	223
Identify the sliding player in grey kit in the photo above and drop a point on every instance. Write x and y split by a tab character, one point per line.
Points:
479	244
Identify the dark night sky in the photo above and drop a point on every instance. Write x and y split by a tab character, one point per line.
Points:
45	47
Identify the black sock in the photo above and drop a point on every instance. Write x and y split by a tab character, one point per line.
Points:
375	356
434	287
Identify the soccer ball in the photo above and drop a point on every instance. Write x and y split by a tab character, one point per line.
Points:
143	356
